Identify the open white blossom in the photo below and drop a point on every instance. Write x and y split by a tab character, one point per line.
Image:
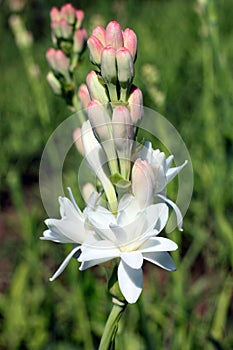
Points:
153	170
131	236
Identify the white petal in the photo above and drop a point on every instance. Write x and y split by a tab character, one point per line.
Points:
130	282
162	259
171	173
99	250
169	161
73	230
68	210
158	244
64	264
55	237
87	264
120	234
179	216
133	259
157	216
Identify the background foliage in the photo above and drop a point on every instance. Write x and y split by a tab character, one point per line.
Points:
184	68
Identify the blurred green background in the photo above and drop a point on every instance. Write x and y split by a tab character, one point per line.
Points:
184	69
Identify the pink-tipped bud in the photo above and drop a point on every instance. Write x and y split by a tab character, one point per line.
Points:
100	120
83	95
80	38
66	29
113	35
95	48
122	126
79	18
77	137
143	182
125	67
55	14
62	62
50	56
99	33
96	88
54	83
56	29
136	104
68	12
130	42
108	65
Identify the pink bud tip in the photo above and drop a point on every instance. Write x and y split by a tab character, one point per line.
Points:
79	18
113	35
54	14
99	33
130	42
83	95
80	38
95	47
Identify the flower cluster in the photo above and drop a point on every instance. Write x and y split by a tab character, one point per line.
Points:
129	208
69	39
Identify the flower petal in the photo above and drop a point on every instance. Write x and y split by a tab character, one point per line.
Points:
158	244
99	250
162	259
179	216
64	264
130	282
49	235
87	264
133	259
171	173
73	230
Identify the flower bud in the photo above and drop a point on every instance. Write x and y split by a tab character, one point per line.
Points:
79	18
102	126
113	35
55	14
125	67
96	89
77	137
108	65
66	29
95	48
99	33
54	83
50	56
130	42
62	62
83	95
122	126
68	12
123	135
87	191
143	183
136	104
100	120
56	29
80	38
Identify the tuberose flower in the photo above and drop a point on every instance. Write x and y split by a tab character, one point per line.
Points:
132	237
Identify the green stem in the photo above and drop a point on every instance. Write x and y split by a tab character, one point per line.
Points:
110	330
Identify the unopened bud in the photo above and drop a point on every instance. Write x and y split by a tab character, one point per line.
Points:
136	104
123	135
68	12
143	182
79	18
83	95
130	42
108	65
55	14
99	33
113	35
125	67
80	38
77	137
95	48
54	83
100	120
50	56
96	88
66	29
56	28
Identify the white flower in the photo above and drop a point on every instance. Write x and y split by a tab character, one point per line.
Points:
70	228
132	237
157	173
